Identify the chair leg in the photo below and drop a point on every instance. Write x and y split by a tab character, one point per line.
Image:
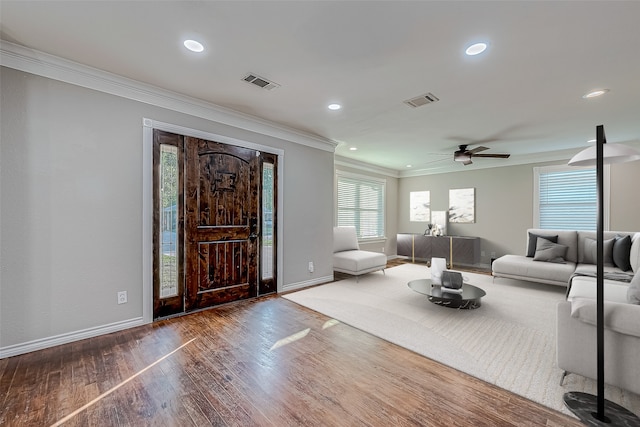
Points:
564	374
383	273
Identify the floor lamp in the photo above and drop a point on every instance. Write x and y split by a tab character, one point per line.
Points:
595	410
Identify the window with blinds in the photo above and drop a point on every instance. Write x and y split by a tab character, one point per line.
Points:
566	198
360	203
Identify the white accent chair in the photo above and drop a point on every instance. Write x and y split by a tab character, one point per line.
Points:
349	259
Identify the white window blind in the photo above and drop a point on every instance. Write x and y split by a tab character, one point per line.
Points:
360	203
566	198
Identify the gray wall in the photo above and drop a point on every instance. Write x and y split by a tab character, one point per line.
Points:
71	198
504	203
625	203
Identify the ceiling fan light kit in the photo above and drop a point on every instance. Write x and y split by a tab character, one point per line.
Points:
461	157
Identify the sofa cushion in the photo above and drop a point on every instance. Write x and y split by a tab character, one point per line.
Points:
356	261
569	238
548	251
618	317
622	252
585	287
533	242
633	293
634	253
590	251
345	239
582	235
525	267
609	270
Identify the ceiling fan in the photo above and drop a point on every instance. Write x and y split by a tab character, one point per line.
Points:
463	155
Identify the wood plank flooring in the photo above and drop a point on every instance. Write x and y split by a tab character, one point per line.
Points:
227	374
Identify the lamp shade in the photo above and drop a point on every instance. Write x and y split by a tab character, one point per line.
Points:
613	153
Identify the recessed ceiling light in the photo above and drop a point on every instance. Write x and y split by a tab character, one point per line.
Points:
595	93
193	45
353	148
591	141
409	166
475	49
334	106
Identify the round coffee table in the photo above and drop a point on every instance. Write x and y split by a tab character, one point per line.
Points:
469	297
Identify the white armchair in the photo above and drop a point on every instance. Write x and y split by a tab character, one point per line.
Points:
349	259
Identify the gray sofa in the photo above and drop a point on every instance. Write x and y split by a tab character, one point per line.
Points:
575	260
576	316
576	341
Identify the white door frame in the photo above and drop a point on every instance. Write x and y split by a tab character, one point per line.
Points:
148	125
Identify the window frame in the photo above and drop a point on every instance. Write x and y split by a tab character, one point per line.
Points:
364	179
538	171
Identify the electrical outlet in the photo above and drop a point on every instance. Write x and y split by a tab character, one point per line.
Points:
122	297
310	266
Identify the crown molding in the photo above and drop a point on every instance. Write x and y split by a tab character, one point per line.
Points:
45	65
367	167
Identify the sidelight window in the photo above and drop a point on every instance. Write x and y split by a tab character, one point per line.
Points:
168	191
267	220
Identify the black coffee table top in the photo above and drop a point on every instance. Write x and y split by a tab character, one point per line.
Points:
469	298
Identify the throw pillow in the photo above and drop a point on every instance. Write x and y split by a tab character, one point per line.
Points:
591	251
633	293
621	251
548	251
533	242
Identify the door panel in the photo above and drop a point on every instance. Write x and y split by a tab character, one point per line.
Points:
221	217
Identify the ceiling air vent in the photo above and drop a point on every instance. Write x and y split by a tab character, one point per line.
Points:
425	99
260	82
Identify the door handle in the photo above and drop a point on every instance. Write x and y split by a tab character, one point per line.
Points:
253	227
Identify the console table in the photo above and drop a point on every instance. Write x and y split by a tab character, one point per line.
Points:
455	249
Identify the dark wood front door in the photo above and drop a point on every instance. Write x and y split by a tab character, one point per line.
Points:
215	216
221	222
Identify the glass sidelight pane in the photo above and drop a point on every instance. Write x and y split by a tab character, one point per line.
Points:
168	220
267	221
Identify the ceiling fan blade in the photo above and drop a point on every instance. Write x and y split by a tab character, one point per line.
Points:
495	156
432	161
436	154
477	150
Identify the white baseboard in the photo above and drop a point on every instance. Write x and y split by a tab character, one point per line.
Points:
40	344
484	266
306	283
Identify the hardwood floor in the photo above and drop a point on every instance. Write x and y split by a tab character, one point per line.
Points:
230	372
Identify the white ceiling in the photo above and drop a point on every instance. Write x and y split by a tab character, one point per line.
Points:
523	96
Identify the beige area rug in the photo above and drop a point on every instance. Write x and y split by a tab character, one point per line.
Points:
508	341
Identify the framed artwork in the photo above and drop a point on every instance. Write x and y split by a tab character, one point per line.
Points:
420	206
462	205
